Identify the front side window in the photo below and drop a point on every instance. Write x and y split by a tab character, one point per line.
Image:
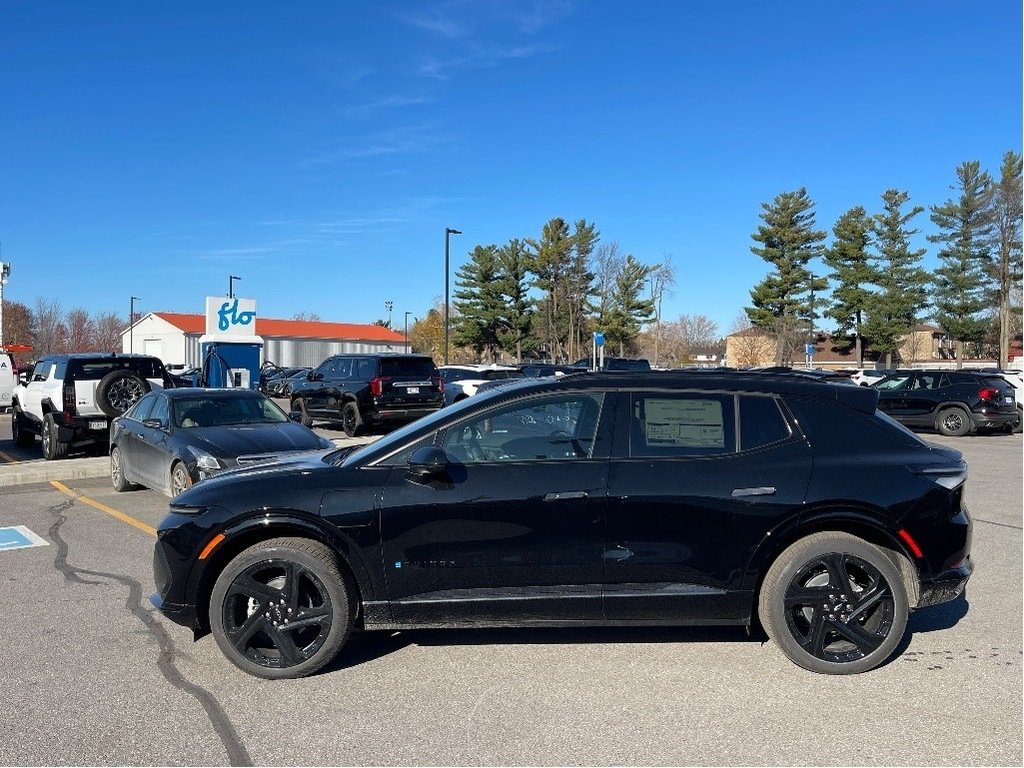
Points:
141	410
899	381
666	424
557	427
160	409
41	371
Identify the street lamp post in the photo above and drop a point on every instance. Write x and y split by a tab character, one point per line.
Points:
131	324
231	285
5	271
388	305
447	233
407	330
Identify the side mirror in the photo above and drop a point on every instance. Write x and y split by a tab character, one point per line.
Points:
23	378
428	461
295	416
154	423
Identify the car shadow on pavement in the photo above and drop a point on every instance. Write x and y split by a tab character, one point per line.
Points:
938	617
364	647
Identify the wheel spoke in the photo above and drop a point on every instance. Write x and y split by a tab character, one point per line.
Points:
246	586
815	643
290	653
321	616
838	576
797	596
865	641
241	635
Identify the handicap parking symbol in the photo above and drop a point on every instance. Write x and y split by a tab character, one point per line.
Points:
20	537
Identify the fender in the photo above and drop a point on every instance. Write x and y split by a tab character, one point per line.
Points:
263	524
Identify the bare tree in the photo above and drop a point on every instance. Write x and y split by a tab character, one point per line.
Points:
81	331
50	331
663	277
107	330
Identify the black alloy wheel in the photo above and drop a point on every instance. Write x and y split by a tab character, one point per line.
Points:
954	422
834	604
281	609
351	421
21	436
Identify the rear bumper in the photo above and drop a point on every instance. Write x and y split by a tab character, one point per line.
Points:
994	419
946	585
399	414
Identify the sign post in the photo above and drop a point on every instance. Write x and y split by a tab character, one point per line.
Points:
598	349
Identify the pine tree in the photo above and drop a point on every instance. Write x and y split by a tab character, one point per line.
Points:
516	321
579	284
479	302
902	295
789	241
852	273
965	235
1006	267
549	263
629	311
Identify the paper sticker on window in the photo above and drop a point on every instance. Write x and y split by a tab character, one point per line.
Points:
685	423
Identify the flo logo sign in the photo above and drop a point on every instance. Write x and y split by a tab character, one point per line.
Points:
230	317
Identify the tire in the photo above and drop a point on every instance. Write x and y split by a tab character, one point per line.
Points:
118	391
53	447
21	436
834	604
1018	425
117	477
298	404
179	479
351	419
954	422
270	587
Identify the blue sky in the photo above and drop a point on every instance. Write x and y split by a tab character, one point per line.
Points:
318	150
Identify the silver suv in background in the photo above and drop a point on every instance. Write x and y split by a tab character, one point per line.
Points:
70	400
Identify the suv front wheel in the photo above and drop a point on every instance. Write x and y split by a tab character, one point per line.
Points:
21	437
53	447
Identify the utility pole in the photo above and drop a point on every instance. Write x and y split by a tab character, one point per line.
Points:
131	325
448	232
5	272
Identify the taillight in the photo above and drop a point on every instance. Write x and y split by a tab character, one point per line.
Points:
69	403
376	386
989	393
439	383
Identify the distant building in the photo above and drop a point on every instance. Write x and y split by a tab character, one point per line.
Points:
174	338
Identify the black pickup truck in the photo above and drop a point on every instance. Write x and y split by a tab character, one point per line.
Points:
365	390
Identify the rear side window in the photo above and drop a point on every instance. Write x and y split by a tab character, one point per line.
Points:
665	424
97	369
761	422
828	422
407	366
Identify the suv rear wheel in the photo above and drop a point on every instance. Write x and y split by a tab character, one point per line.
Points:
118	391
954	422
53	447
351	419
834	604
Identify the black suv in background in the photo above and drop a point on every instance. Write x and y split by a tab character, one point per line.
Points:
614	364
363	390
952	402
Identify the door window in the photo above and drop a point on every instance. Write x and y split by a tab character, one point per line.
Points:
141	410
666	424
562	427
761	422
160	409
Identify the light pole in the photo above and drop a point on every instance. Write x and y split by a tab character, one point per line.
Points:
231	285
131	325
407	330
388	305
5	272
448	232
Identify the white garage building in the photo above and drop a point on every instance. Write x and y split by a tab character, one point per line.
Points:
174	338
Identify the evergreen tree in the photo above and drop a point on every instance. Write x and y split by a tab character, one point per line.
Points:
964	234
629	311
788	242
579	284
851	270
902	295
1006	268
549	262
479	302
516	322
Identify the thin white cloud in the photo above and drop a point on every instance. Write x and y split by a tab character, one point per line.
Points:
369	108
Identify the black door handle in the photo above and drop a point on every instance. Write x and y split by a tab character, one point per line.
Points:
764	490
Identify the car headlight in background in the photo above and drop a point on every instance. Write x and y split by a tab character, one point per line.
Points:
206	463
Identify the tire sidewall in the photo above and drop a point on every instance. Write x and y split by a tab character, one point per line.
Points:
351	419
105	385
964	416
330	577
785	568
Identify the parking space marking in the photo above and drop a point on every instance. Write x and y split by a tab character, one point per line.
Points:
8	459
145	527
20	537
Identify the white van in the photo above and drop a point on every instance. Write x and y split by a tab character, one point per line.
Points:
7	380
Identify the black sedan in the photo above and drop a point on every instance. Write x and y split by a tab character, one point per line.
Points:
173	438
626	499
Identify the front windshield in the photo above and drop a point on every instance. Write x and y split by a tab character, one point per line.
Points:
397	438
215	411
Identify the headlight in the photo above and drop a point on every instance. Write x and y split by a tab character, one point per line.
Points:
205	461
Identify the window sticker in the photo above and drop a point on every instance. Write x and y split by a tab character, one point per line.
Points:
684	423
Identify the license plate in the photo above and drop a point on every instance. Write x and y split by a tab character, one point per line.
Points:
97	425
1007	399
412	390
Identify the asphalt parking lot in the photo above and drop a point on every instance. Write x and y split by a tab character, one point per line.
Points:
92	675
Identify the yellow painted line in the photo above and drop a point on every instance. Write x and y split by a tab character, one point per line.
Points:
8	459
104	508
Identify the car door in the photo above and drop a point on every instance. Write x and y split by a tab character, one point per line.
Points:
318	398
693	476
512	531
920	398
892	394
126	435
152	458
